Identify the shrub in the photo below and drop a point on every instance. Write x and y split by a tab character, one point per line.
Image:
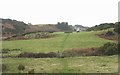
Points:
5	50
16	49
38	55
79	52
117	27
108	49
109	33
51	54
21	67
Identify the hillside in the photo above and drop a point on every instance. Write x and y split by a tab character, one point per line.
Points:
42	28
13	27
102	26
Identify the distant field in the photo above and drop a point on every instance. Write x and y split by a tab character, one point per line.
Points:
85	64
54	44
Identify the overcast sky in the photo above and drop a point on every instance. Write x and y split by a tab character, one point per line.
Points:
83	12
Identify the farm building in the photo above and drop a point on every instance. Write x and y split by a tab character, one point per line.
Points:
79	28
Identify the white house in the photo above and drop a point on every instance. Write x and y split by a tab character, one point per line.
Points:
79	28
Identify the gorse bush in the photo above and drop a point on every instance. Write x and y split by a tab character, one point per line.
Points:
108	49
109	33
117	27
21	67
5	50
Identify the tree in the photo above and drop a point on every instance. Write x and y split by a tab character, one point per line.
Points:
29	23
63	26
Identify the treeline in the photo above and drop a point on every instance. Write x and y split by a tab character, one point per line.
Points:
63	26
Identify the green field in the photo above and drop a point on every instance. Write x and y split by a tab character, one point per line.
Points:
82	64
75	40
87	64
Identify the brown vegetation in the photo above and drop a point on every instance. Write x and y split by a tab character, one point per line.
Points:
67	53
42	28
34	36
113	37
80	52
8	25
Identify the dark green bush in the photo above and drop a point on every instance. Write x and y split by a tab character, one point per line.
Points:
5	50
101	26
21	67
108	49
109	33
117	27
